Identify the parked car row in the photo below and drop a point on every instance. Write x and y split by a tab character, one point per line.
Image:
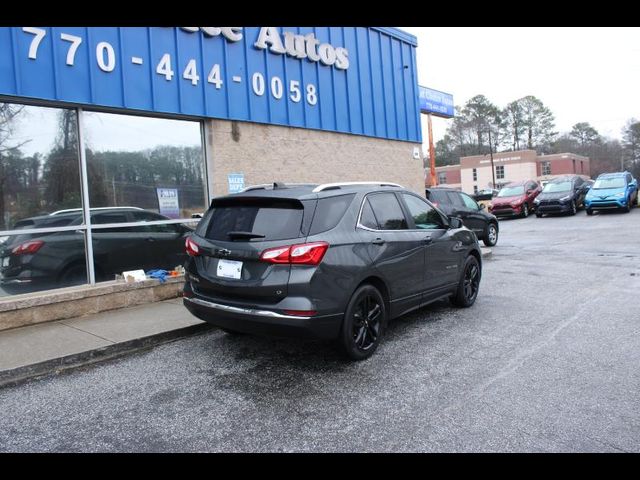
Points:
566	194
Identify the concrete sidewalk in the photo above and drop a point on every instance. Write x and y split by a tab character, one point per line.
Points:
50	347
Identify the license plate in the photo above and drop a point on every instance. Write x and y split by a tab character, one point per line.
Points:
229	269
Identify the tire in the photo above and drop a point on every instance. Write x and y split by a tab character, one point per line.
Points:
74	274
574	208
359	339
627	208
525	210
491	235
589	211
538	215
469	284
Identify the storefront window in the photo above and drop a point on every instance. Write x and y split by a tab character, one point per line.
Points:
142	247
150	163
142	174
39	188
39	167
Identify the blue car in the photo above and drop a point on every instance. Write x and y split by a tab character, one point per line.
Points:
612	191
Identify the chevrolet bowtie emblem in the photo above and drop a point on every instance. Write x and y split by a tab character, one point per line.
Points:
223	251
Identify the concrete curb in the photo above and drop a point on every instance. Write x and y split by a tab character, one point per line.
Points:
59	365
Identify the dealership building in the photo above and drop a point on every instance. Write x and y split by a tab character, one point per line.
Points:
114	139
474	173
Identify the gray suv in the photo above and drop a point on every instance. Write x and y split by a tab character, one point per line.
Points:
333	261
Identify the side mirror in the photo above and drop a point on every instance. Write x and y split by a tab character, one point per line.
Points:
529	192
455	222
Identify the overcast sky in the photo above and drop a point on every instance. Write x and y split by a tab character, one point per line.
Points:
582	74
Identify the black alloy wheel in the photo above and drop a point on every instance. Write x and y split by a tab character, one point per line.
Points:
364	323
525	210
574	209
469	283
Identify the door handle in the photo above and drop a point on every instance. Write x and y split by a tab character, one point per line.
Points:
378	241
427	240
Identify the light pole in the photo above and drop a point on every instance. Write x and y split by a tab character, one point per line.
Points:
432	155
493	170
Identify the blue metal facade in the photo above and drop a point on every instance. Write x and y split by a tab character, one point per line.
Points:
170	70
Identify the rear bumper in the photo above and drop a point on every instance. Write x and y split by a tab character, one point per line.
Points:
263	322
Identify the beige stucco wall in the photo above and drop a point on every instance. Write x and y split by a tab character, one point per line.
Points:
268	153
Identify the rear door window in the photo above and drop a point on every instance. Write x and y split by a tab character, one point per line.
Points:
267	220
388	211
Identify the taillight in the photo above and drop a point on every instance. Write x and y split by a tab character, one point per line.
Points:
28	248
276	255
302	254
191	247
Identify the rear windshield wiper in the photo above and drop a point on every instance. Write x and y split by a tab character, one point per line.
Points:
237	234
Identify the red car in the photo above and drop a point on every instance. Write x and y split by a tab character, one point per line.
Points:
515	199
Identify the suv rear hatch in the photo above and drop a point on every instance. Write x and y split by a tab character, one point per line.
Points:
230	239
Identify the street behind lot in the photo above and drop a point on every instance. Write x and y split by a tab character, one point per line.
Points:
546	360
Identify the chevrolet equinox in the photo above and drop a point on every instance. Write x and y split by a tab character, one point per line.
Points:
332	261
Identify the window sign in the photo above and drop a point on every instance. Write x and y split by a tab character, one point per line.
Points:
168	202
236	182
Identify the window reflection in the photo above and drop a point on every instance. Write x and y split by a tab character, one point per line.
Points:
39	169
138	170
146	247
42	261
151	163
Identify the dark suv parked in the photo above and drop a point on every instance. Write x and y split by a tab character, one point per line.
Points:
332	261
455	203
561	195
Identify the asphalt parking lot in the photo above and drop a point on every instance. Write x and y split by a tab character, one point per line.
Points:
546	360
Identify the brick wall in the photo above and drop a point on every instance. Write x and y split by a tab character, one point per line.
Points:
268	153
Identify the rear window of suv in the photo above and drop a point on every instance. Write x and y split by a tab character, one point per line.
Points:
439	196
329	212
267	219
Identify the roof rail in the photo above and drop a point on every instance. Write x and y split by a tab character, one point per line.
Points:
71	210
331	186
275	186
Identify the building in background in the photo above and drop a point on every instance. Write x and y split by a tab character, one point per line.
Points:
474	172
